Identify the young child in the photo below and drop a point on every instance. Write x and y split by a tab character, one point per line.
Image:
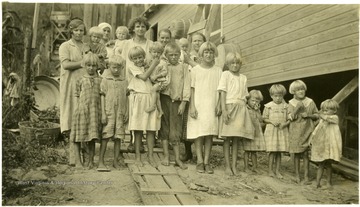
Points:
86	124
114	107
94	46
236	122
205	109
122	33
160	76
184	46
257	144
164	37
326	144
276	131
302	113
139	100
173	102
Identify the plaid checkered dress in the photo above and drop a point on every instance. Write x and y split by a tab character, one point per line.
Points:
86	123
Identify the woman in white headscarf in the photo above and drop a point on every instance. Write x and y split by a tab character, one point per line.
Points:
107	29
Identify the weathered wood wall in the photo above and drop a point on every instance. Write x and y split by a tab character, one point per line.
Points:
284	42
167	13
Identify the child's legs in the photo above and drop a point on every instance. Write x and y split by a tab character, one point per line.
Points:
234	153
208	141
91	145
329	172
78	162
306	165
103	145
246	160
297	165
277	162
272	157
226	149
138	138
199	143
117	145
164	132
319	173
150	137
153	96
165	143
254	160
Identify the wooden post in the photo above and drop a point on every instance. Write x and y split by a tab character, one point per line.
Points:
214	10
35	24
347	90
27	56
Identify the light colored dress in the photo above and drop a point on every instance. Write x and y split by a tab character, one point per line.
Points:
71	52
114	90
258	143
86	124
326	140
240	121
139	101
300	128
276	139
205	82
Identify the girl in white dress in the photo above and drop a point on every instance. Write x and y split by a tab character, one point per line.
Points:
236	121
205	107
326	144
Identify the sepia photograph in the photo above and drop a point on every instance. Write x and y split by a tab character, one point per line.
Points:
183	103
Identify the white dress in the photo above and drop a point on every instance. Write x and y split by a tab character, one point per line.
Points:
205	82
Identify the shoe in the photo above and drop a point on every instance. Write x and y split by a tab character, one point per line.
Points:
208	169
200	168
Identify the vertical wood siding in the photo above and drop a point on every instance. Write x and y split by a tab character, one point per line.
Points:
284	42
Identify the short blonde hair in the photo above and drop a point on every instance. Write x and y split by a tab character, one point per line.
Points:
172	47
297	85
208	46
116	59
136	51
90	58
183	41
329	104
156	46
277	89
231	56
255	94
122	29
96	31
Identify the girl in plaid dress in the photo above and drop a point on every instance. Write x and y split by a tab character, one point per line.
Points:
86	122
276	131
252	146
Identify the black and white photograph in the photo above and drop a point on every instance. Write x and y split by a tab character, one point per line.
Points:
180	103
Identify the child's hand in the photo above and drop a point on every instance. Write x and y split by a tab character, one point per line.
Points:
304	115
276	124
155	62
103	119
226	117
181	108
163	73
282	125
193	113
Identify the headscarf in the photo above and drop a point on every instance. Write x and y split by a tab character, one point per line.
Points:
104	25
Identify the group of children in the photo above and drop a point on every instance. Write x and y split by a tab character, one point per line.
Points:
151	95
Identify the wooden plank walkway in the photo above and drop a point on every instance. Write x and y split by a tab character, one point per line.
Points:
161	185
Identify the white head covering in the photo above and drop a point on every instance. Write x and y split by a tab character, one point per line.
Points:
104	25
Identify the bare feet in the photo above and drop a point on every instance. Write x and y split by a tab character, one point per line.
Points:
180	164
306	181
228	171
150	109
247	170
160	113
297	179
152	161
79	166
116	165
91	165
234	170
279	175
165	161
138	163
271	174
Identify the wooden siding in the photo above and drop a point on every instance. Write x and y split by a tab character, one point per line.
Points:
285	42
170	12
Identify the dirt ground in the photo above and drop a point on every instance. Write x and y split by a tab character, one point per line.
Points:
63	185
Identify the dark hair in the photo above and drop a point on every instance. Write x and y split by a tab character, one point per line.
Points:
166	31
138	20
74	23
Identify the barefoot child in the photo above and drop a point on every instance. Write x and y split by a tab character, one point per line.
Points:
159	77
236	122
139	101
114	107
257	144
173	102
204	110
122	33
87	117
302	113
326	144
276	131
